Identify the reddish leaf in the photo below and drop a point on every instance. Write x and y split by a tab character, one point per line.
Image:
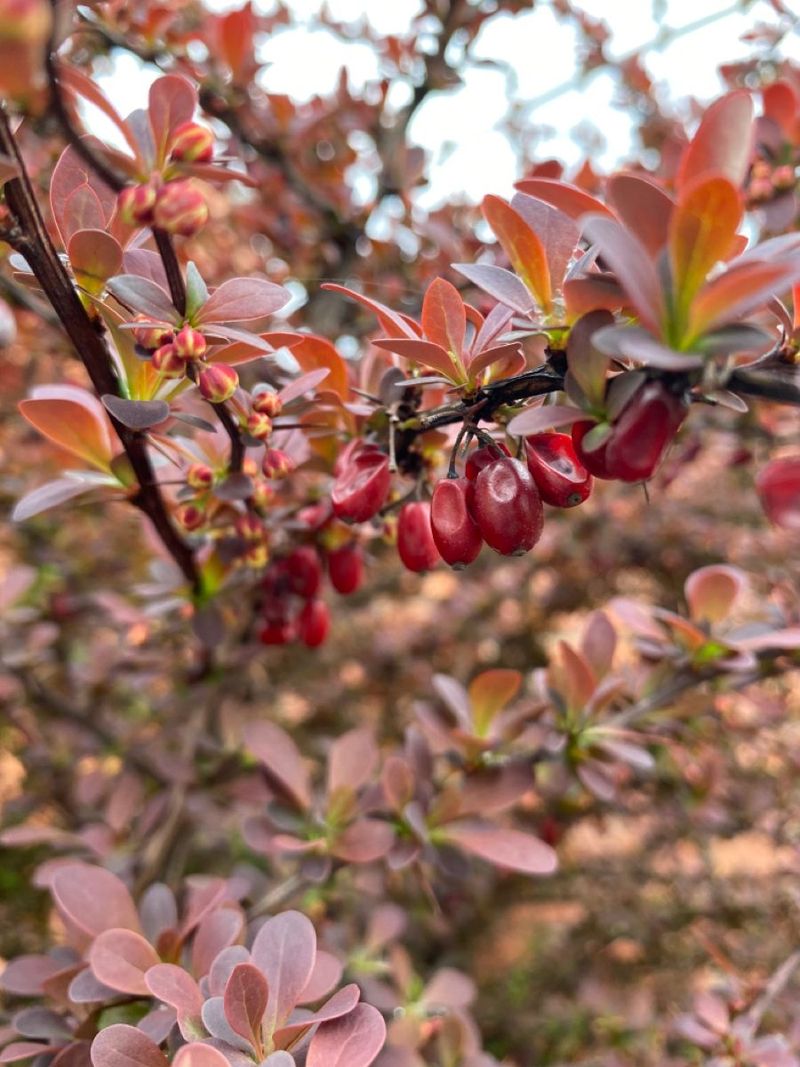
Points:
125	1046
364	841
449	989
544	417
352	1041
522	246
50	495
339	1004
144	296
82	210
92	899
723	140
489	692
444	319
504	360
511	849
570	674
711	592
198	1054
557	232
284	950
424	353
217	931
315	354
281	758
21	1050
245	1001
243	299
599	643
95	256
25	975
74	420
569	199
394	325
737	293
172	101
781	104
352	760
306	383
324	978
643	207
120	958
174	986
77	82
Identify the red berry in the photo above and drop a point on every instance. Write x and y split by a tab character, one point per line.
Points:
304	569
507	507
482	457
346	568
560	477
594	460
360	491
641	434
455	532
313	623
778	486
278	632
415	544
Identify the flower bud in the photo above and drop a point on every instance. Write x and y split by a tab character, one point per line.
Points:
190	517
277	464
192	143
200	476
152	337
168	363
267	404
217	383
250	528
259	425
190	343
263	494
180	208
135	204
25	21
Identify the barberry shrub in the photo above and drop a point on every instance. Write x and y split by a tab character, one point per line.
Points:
243	864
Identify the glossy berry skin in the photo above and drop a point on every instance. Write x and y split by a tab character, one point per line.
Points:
415	544
595	460
304	570
778	486
641	434
561	478
361	489
277	632
313	623
507	507
482	457
346	568
455	532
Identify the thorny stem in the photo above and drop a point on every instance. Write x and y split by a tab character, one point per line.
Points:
88	339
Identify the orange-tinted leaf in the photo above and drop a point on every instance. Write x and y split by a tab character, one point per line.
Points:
489	693
423	352
73	420
722	143
632	265
522	246
511	849
572	677
712	591
172	101
313	353
77	82
557	232
737	293
444	318
394	325
701	232
781	105
95	256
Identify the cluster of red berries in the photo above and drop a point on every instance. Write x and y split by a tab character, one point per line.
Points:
631	446
165	201
293	609
181	353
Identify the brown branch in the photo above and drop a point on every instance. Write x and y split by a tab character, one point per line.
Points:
88	338
172	268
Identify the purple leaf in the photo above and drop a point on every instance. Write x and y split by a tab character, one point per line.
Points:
136	414
284	950
325	977
512	849
21	1050
119	959
544	417
631	264
158	911
243	299
143	296
499	283
281	758
352	760
557	232
47	496
125	1046
174	986
340	1004
450	989
86	989
172	101
92	899
245	1001
352	1041
364	841
215	932
220	970
41	1023
306	383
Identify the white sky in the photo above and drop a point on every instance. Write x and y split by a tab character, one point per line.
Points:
470	155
